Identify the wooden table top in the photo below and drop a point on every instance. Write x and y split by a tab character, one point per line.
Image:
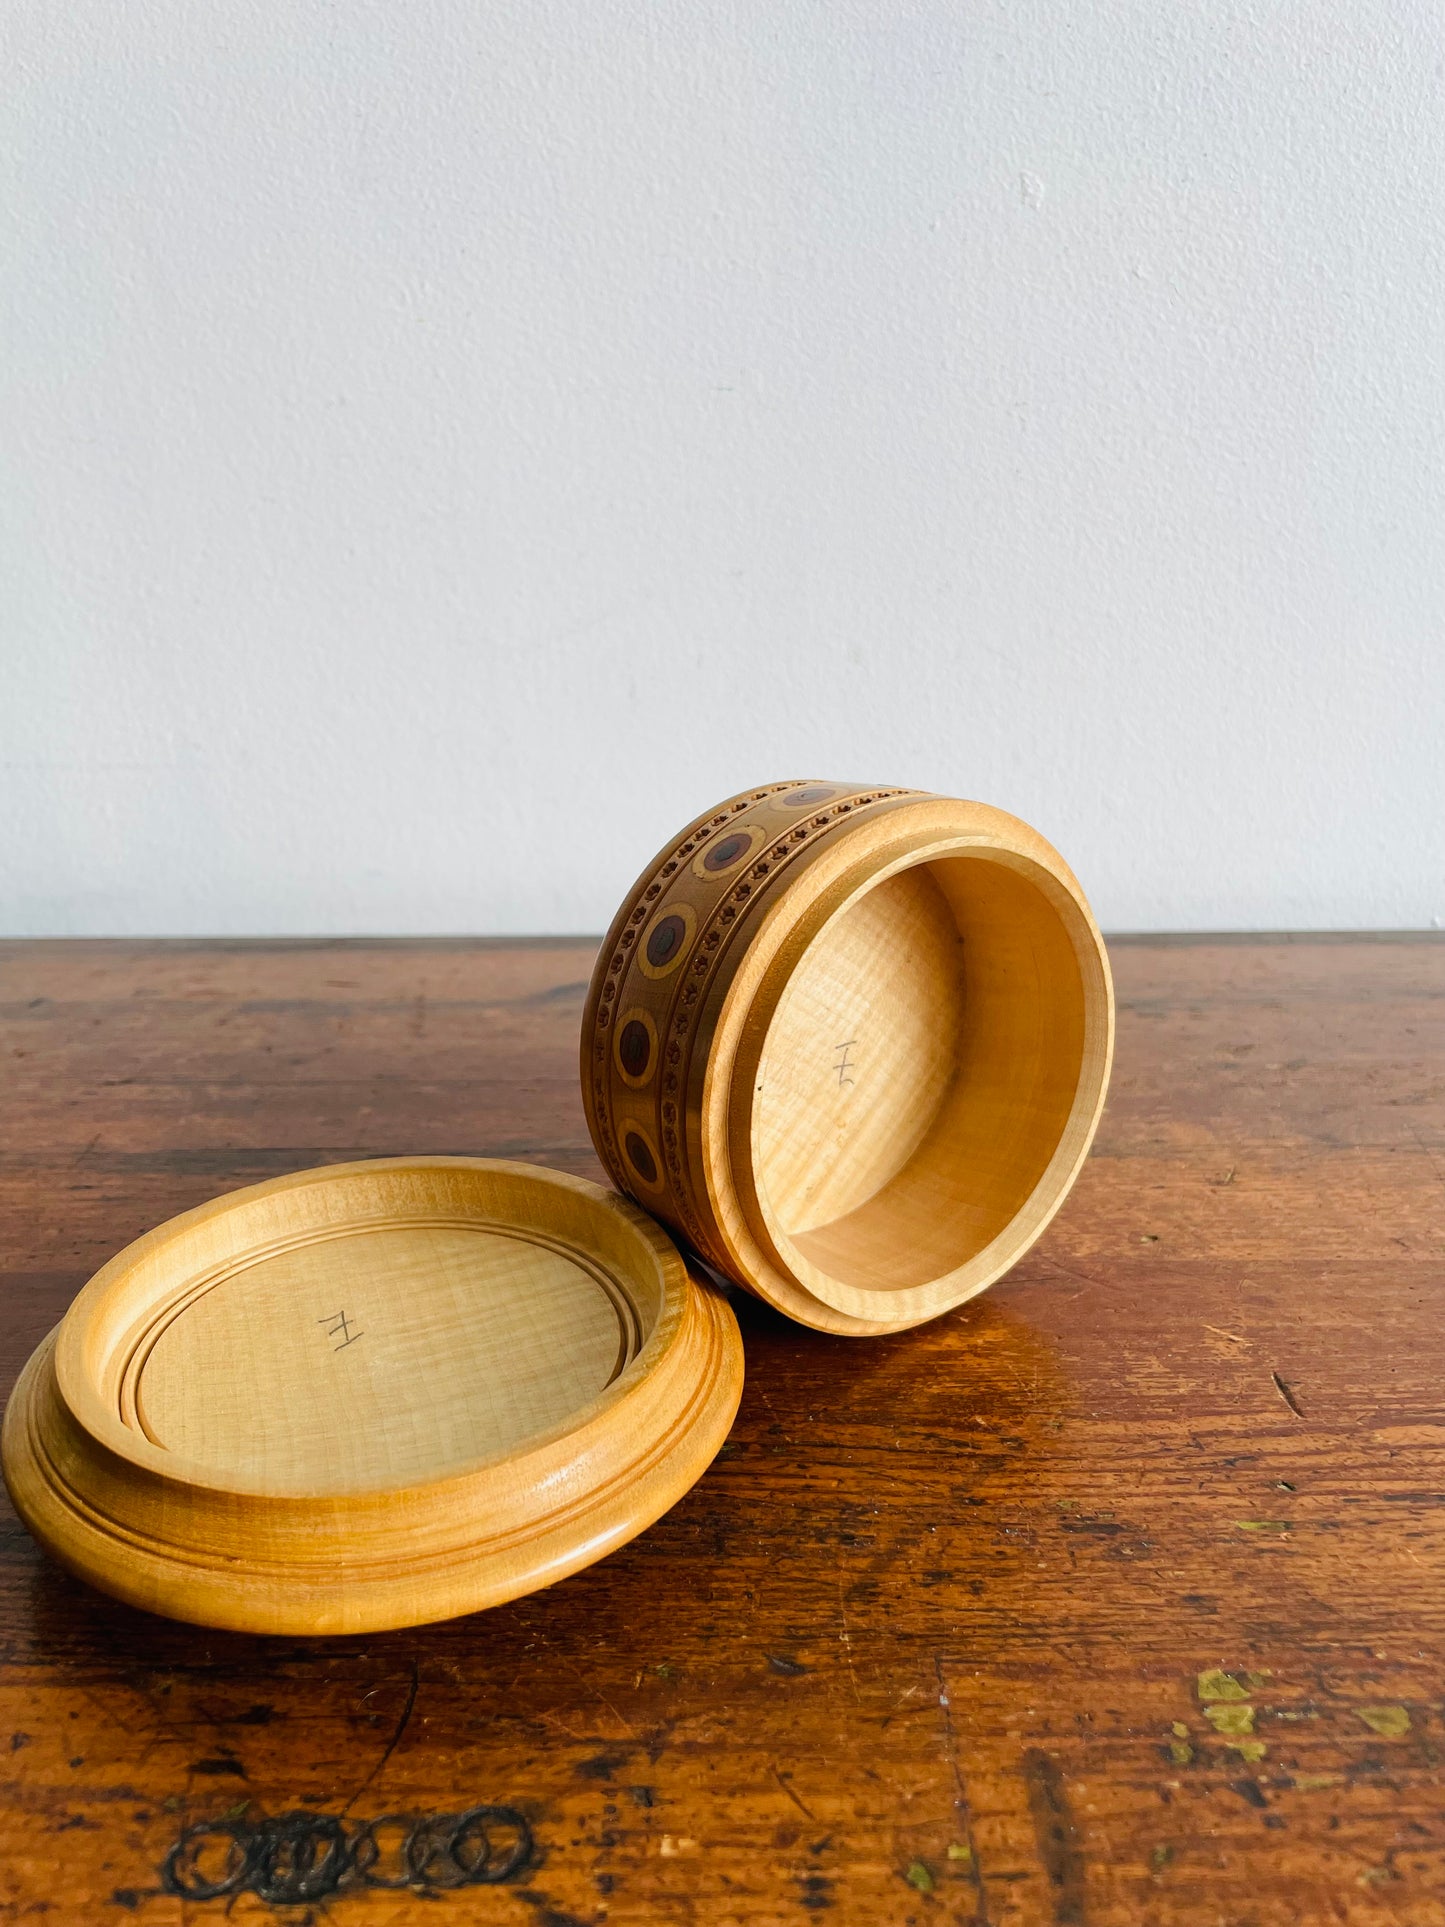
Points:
1114	1597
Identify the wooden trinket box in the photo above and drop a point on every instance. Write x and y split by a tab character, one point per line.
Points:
850	1045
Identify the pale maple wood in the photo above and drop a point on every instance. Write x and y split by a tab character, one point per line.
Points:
370	1396
852	1045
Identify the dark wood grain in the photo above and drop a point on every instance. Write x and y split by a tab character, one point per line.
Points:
927	1642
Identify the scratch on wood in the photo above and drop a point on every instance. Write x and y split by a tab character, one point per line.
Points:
394	1741
801	1805
960	1792
847	1639
1287	1394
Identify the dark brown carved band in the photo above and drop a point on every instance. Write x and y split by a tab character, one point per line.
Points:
691	913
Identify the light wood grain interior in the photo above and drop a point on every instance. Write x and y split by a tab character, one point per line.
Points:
918	1074
370	1325
371	1395
398	1352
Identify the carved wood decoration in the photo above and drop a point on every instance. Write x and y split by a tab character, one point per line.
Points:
852	1044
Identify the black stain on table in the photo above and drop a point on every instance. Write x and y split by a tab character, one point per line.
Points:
547	1911
1250	1791
293	1859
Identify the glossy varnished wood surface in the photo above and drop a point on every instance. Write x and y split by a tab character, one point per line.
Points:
1113	1597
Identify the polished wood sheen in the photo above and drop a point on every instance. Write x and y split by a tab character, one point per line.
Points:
852	1045
371	1395
1113	1599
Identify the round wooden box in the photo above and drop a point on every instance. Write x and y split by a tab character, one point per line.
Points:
371	1395
852	1044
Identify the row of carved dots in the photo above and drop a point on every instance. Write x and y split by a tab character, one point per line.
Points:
740	894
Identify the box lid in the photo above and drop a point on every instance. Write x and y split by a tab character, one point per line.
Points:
370	1396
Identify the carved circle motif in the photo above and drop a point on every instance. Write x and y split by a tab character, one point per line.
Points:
667	939
739	880
636	1047
641	1156
727	851
809	797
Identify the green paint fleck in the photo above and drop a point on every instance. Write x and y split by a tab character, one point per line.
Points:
1265	1525
172	1803
963	1855
1237	1720
1218	1685
236	1812
918	1876
1390	1722
1180	1752
1309	1782
1160	1858
666	1670
1179	1730
1251	1750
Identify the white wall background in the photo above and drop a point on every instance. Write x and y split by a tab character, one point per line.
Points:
446	446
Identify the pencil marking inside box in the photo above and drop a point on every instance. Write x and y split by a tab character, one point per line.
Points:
339	1326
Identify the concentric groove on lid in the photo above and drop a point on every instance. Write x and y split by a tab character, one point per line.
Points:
166	1311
